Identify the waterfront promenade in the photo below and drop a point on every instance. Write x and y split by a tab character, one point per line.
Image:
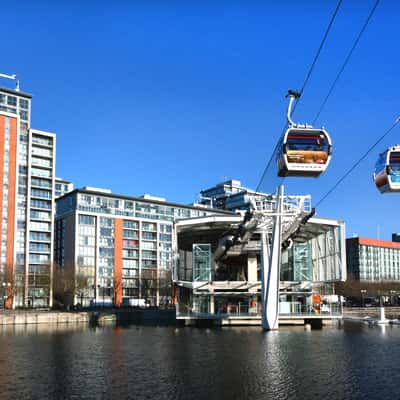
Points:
138	316
351	312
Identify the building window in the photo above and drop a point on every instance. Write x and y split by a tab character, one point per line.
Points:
12	101
86	219
201	262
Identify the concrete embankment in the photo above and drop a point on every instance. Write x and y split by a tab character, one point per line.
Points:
361	312
92	317
42	317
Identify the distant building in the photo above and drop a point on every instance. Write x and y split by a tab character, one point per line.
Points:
229	195
27	172
373	260
62	187
118	249
395	237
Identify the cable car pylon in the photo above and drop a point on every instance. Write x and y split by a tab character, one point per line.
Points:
271	267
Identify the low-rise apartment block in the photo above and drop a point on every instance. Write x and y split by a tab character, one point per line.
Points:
118	249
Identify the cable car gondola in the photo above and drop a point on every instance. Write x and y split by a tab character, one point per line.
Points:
387	170
304	150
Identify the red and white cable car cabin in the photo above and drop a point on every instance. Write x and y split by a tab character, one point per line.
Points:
304	152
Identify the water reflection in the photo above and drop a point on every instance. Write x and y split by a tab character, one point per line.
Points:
352	362
41	328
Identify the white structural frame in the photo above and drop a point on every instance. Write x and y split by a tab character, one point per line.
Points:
276	219
12	77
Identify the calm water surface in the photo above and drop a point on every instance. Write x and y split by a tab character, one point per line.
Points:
353	362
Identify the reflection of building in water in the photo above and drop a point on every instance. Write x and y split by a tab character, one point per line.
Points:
228	289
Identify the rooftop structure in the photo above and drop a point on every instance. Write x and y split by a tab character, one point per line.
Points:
62	187
230	195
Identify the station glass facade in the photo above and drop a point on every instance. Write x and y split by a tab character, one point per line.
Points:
230	287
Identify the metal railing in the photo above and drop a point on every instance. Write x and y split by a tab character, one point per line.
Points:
243	310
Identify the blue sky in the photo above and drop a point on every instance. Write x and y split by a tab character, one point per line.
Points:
171	97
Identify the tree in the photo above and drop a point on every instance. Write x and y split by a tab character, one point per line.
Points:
67	285
361	289
7	286
165	286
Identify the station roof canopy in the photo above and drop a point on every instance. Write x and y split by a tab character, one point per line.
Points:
205	229
314	227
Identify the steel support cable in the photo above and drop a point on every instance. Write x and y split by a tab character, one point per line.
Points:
349	171
364	27
310	70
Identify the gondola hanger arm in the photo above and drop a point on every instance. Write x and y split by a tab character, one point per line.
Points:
293	95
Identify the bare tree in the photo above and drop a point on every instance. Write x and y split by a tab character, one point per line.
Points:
67	284
7	279
165	286
362	289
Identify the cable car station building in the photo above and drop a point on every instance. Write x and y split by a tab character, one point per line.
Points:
228	290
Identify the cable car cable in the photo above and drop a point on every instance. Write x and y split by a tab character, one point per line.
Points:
346	61
310	70
348	172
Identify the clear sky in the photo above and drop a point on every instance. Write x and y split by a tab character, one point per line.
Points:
169	97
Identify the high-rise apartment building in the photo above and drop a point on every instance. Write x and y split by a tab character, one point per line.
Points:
27	171
62	187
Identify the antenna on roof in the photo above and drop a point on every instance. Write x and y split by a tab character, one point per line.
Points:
12	77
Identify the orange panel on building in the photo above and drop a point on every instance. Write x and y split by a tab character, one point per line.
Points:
12	168
2	134
118	230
